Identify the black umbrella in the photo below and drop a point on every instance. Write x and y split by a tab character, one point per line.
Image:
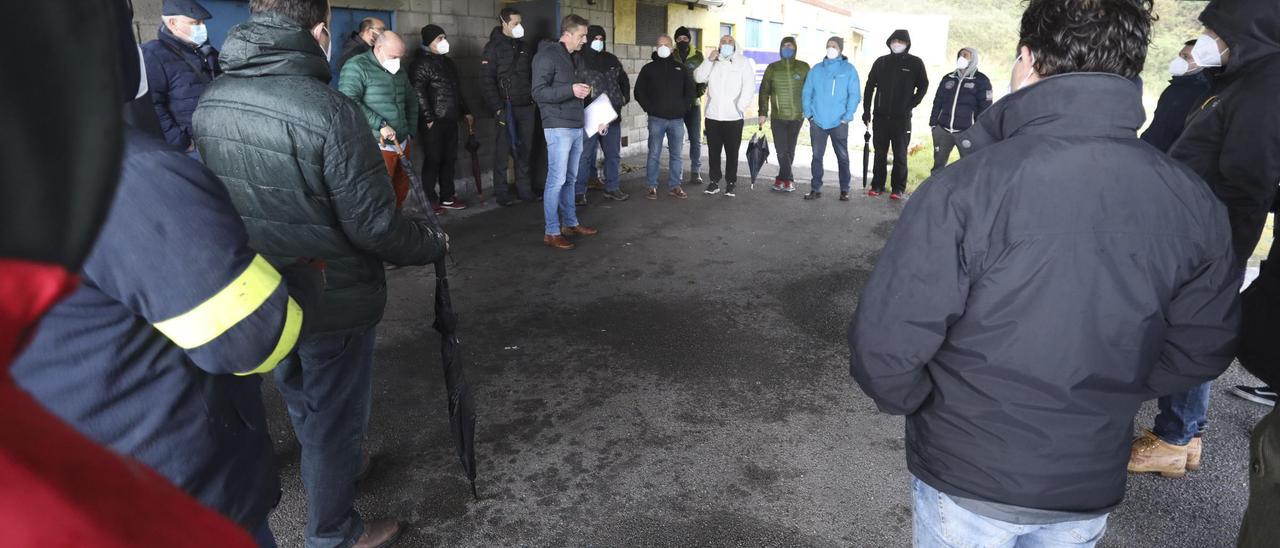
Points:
509	121
757	154
866	155
462	408
473	148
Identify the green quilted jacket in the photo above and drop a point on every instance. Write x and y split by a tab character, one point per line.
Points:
380	94
781	88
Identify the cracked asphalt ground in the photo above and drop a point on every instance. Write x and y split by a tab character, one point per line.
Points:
679	380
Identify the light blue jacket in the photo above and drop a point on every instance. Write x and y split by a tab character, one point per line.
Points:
832	93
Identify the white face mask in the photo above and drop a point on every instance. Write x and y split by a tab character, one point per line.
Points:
962	63
1206	53
443	47
1180	67
1030	73
832	53
664	52
517	31
726	50
898	48
199	34
392	65
597	45
327	46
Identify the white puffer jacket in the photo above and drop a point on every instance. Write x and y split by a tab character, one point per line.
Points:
731	85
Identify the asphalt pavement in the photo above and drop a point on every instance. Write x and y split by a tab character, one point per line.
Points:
680	379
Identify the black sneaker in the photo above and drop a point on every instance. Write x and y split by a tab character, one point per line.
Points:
813	195
712	188
844	196
728	190
616	195
581	200
1256	394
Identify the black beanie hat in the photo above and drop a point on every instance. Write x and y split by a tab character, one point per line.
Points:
430	33
682	31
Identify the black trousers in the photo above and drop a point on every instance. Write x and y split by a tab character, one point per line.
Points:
726	137
441	154
523	155
785	135
885	133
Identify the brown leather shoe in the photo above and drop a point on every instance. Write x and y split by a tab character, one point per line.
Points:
578	231
379	534
1152	454
557	242
1193	453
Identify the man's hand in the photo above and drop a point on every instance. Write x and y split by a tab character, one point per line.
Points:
471	123
603	129
581	91
388	133
715	55
866	117
763	119
431	123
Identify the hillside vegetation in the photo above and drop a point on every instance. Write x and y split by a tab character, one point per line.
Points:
992	27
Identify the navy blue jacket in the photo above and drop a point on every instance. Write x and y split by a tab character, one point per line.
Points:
958	102
177	73
1183	94
1036	292
121	362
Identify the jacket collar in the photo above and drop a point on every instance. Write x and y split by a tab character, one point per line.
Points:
1077	104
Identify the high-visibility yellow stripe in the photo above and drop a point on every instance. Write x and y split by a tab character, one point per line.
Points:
288	339
212	318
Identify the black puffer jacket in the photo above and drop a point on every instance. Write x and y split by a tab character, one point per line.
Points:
896	84
506	71
665	88
604	72
302	168
1233	138
554	73
435	81
1035	293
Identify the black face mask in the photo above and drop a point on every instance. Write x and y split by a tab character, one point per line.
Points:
683	48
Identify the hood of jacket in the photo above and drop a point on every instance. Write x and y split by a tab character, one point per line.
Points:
900	34
1062	105
1251	28
787	40
272	45
972	69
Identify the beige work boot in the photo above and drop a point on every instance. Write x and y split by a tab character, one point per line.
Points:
1193	453
1152	454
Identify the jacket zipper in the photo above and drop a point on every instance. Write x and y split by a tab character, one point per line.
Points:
955	101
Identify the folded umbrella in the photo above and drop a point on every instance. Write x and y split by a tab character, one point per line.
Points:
757	155
866	155
509	121
462	407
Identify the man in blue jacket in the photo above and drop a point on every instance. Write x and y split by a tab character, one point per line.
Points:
962	96
830	98
180	63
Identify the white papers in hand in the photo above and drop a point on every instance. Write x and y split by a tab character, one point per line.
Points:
599	112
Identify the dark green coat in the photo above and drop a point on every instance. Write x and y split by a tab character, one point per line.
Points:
303	171
780	90
382	96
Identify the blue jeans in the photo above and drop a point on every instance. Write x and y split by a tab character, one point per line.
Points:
940	522
1185	415
264	537
693	127
611	143
564	150
327	387
673	131
840	142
